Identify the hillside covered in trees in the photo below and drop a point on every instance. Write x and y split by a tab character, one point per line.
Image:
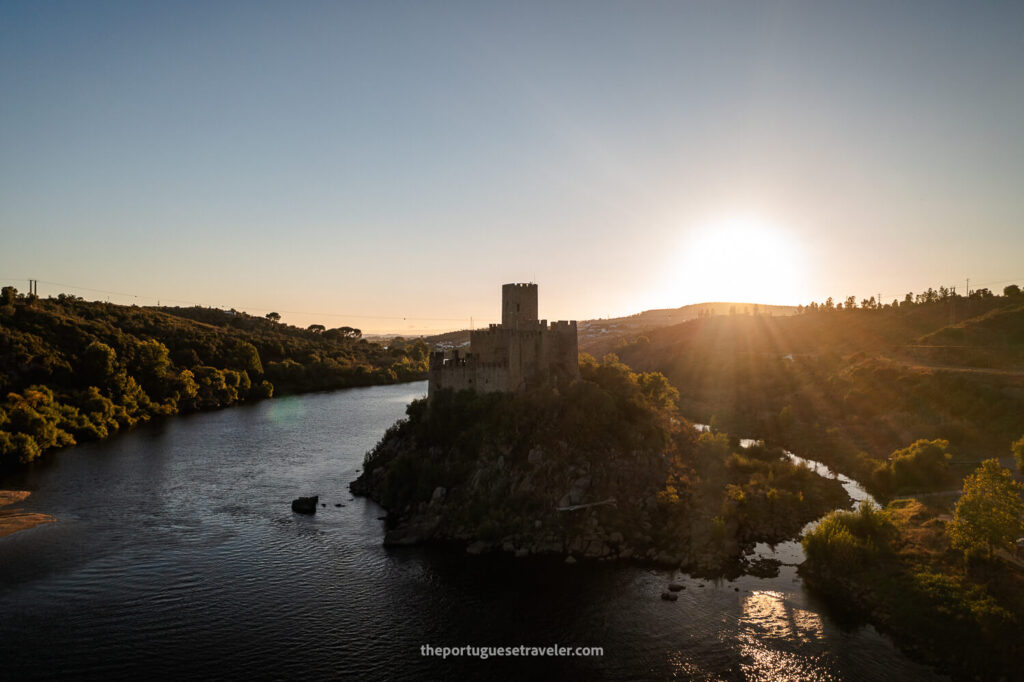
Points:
851	384
74	370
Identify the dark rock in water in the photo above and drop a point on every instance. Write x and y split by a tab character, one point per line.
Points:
305	505
674	587
382	518
323	504
669	596
338	504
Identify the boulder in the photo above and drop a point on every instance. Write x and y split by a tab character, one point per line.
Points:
305	505
674	587
669	596
438	496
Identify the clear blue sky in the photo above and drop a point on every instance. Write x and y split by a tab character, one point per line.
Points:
405	159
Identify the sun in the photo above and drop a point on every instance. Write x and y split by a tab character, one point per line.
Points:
745	260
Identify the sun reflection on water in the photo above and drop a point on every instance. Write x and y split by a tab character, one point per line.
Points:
771	639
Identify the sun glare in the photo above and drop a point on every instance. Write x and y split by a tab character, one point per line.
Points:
744	260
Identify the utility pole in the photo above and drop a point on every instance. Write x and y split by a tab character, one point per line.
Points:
968	287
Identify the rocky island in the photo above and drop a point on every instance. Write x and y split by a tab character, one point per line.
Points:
600	467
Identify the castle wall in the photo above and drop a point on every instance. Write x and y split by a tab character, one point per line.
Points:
459	373
562	349
490	345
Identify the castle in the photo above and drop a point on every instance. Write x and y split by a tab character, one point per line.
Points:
519	353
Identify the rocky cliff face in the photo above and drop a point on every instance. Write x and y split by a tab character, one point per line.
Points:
552	501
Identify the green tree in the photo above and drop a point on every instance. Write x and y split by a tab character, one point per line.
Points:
274	317
316	328
922	465
8	295
246	357
656	388
990	513
1011	290
1018	453
99	364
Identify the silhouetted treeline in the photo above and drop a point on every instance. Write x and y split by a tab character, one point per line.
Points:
73	370
928	297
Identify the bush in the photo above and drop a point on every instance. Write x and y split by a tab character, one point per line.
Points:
846	540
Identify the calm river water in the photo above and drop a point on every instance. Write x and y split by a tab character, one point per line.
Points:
176	554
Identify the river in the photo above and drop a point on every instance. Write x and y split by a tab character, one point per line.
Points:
176	553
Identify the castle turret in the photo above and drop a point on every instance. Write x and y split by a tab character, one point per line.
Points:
518	305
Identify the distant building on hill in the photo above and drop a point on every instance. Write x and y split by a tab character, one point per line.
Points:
519	353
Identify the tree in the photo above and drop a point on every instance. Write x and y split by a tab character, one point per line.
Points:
274	317
656	388
990	513
1011	290
246	357
8	295
1018	453
316	328
99	364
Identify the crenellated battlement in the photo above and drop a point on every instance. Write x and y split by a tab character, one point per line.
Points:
521	351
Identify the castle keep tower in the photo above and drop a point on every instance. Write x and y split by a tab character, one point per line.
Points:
519	353
518	304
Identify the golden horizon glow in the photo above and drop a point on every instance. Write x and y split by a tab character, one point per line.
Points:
741	259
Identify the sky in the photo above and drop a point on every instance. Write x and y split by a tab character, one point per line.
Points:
388	165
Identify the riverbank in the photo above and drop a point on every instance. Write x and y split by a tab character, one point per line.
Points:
74	371
14	520
895	568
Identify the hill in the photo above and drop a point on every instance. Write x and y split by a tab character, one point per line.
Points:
601	335
852	386
73	370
